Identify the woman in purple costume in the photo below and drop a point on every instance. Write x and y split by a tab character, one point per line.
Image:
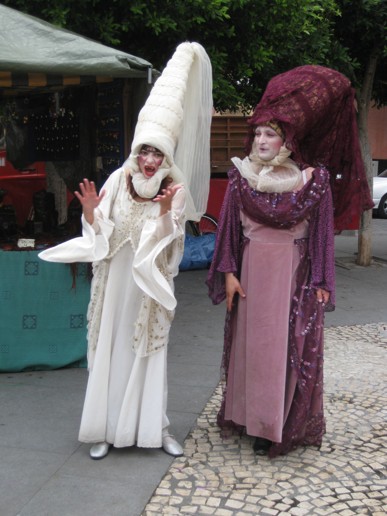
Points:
274	260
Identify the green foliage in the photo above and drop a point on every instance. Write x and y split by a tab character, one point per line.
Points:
248	41
359	33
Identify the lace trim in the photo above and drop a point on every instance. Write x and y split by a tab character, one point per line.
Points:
269	178
152	327
127	216
153	323
94	311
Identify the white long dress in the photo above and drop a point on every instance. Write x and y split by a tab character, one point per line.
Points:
136	254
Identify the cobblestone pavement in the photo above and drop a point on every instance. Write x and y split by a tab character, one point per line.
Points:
346	476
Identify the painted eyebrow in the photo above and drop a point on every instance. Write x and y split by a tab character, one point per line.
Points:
269	130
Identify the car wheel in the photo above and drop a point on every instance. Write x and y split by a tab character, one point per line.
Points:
382	209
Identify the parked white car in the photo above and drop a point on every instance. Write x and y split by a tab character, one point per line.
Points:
380	195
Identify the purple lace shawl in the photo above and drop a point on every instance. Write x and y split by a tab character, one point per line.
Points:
305	424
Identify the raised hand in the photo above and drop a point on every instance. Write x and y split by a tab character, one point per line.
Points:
89	199
165	198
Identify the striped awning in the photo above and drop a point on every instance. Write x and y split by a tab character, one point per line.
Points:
26	81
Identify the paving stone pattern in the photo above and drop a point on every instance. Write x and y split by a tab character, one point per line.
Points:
347	476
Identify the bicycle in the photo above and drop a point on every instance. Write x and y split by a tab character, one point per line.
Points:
208	224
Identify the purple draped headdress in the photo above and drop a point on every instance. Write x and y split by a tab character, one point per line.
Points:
315	107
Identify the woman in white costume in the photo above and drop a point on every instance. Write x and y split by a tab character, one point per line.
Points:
133	232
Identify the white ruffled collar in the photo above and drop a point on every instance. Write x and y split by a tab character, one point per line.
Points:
279	175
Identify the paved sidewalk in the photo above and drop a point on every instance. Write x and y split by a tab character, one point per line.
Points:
347	476
45	471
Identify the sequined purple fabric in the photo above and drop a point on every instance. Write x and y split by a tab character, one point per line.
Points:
305	423
285	210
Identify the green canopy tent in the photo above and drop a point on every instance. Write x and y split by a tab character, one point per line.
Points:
38	59
34	48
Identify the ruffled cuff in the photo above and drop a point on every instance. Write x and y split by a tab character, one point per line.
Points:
89	247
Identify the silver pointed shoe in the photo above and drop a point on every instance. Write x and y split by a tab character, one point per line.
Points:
171	446
99	450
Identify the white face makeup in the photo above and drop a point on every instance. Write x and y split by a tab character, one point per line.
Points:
149	160
267	142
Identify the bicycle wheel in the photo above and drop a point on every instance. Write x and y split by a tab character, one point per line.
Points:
207	224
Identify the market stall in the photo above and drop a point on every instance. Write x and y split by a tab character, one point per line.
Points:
68	106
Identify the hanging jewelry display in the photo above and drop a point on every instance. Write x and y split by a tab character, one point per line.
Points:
110	127
55	134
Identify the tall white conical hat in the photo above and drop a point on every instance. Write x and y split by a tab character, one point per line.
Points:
176	119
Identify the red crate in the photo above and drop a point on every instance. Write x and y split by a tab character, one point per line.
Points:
20	185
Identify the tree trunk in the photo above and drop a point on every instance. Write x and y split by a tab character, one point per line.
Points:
364	256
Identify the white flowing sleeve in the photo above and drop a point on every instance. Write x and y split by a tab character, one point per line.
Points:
161	237
93	245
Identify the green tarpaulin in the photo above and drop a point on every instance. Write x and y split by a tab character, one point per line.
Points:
30	45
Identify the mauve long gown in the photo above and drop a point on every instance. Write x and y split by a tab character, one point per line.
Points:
259	388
